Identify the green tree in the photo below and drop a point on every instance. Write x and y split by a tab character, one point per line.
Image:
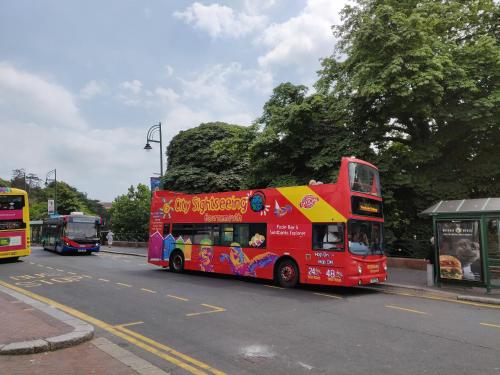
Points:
211	157
300	140
130	214
419	80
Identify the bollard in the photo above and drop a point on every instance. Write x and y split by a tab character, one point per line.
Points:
430	274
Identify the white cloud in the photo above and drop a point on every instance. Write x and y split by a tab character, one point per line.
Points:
169	70
303	39
257	6
49	132
27	96
92	89
220	20
166	95
134	86
130	92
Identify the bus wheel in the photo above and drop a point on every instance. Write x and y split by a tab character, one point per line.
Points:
288	274
176	261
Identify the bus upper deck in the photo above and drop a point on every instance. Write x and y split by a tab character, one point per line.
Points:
14	223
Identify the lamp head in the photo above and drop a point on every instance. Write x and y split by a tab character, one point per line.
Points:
148	147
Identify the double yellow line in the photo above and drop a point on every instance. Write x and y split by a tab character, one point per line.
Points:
165	352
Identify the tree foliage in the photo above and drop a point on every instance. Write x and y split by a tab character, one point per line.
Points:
69	199
130	214
420	81
210	157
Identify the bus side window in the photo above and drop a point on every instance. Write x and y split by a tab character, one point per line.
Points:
184	231
258	235
227	234
328	236
166	229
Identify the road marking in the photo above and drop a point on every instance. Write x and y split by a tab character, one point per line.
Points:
148	290
127	335
87	276
172	351
181	298
71	273
215	310
40	265
50	268
57	269
490	325
477	304
272	286
105	280
32	263
329	295
404	309
127	285
128	324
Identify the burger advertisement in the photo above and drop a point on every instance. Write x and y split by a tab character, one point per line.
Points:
459	250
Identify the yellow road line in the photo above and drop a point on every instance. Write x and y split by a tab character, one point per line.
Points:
105	280
125	334
128	324
329	295
127	285
172	351
490	325
181	298
404	309
478	304
148	290
272	286
215	310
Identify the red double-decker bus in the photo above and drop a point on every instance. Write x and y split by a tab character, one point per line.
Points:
329	234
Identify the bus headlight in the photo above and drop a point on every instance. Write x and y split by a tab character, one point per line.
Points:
385	266
66	243
360	270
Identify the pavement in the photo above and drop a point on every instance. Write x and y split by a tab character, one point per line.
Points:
36	338
202	323
399	279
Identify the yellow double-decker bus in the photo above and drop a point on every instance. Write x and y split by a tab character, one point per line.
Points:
14	223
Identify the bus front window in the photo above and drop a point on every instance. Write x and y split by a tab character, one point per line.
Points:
81	230
364	179
365	237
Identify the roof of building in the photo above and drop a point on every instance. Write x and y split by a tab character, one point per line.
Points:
464	206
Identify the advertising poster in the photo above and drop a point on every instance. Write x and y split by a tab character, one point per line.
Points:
50	206
155	183
459	250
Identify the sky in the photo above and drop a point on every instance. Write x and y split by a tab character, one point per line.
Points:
81	82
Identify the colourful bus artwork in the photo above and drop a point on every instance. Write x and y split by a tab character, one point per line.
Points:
329	234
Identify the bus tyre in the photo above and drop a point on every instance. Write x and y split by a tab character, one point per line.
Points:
176	261
287	274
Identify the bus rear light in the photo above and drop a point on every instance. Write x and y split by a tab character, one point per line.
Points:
359	282
360	270
385	266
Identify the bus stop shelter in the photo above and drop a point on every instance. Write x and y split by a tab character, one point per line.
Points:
467	241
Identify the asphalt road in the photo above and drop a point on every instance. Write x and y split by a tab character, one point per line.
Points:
199	323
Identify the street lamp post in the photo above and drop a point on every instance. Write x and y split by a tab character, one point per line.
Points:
54	171
153	130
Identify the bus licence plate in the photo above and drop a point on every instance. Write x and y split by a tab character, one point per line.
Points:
374	280
82	250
